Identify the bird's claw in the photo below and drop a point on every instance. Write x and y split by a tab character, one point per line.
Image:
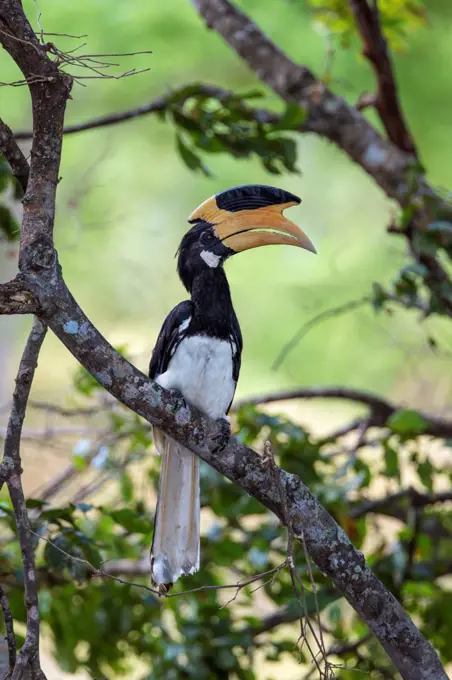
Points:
220	440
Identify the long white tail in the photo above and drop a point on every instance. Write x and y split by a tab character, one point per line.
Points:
175	546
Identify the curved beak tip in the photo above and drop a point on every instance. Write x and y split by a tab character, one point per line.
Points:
311	247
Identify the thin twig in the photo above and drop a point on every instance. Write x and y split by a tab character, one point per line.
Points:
340	650
101	573
28	363
297	583
315	321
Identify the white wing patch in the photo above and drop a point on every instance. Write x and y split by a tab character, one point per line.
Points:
210	258
184	325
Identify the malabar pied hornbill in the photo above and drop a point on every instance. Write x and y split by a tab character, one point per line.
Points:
199	349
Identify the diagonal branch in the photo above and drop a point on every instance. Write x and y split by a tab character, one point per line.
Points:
327	114
375	49
13	154
29	653
331	117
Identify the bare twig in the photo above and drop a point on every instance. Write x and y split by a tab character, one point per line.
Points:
340	650
12	462
102	573
376	51
9	626
13	154
297	584
315	321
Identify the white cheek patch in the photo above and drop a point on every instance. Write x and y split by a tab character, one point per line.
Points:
210	258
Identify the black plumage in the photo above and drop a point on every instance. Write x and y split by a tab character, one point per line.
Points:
198	352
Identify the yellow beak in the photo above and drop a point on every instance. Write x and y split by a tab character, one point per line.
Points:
250	227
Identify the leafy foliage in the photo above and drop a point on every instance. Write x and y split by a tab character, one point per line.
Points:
210	120
398	19
101	624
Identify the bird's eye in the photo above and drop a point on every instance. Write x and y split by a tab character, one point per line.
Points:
207	237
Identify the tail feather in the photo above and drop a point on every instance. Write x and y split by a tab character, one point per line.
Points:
175	546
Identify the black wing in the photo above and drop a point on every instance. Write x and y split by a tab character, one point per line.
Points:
169	338
236	341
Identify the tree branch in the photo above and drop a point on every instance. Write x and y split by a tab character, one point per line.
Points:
327	114
380	409
29	653
376	51
13	154
49	89
331	117
414	498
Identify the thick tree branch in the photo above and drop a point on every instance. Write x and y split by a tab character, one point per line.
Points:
380	409
29	653
376	51
327	114
14	155
331	117
49	89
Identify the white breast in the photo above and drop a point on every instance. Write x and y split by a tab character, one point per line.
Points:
201	368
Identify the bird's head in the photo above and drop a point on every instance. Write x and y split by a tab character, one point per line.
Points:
237	219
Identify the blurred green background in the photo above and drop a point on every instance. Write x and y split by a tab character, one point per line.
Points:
125	195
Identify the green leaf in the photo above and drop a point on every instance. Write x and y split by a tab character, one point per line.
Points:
425	471
8	224
391	458
186	122
54	553
379	297
292	117
126	486
57	515
407	421
131	521
191	160
35	503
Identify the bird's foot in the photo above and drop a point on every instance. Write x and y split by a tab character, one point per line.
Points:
220	441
